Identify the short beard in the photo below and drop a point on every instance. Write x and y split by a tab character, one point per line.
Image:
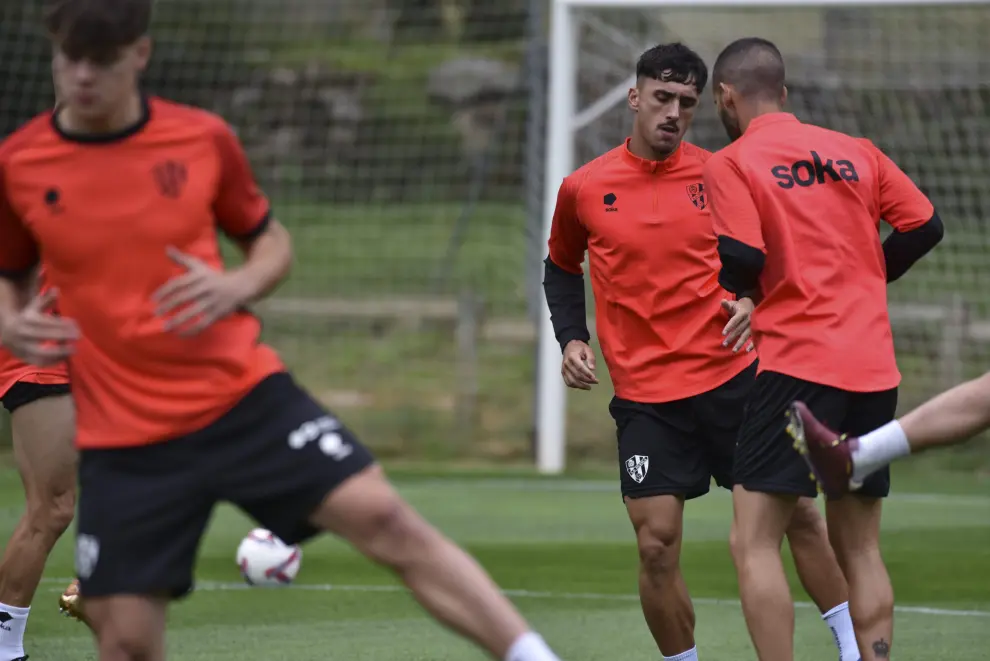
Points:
730	124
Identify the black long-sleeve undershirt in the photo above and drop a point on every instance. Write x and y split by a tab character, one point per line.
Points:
566	300
902	249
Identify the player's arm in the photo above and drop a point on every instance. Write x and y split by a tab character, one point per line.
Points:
917	226
736	222
27	329
563	278
244	214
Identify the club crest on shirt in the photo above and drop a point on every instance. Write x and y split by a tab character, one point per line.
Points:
696	192
170	176
637	466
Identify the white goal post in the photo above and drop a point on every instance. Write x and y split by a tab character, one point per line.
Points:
564	118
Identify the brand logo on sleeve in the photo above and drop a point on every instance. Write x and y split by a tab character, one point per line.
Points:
818	170
697	195
53	200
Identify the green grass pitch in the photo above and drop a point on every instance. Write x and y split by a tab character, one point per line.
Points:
564	551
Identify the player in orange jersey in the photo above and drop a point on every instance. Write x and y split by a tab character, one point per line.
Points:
797	210
42	425
178	404
680	372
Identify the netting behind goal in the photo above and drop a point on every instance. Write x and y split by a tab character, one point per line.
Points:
914	80
391	136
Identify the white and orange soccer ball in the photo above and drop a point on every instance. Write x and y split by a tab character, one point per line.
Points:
265	560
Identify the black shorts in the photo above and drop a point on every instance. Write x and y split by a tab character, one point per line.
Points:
766	460
677	448
22	393
142	511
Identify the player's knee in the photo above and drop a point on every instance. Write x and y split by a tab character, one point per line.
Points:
120	645
395	535
807	522
658	544
51	514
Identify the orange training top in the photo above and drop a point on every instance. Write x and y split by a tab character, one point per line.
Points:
654	266
811	200
100	211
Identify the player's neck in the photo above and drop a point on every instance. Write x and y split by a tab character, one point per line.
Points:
126	115
757	108
639	147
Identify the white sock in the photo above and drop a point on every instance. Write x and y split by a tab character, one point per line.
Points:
879	448
841	624
690	655
13	619
530	647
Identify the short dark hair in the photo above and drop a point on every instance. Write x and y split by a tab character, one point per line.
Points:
752	65
673	63
96	29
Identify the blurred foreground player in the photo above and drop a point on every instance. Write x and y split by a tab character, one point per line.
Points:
680	375
178	405
797	210
41	420
842	463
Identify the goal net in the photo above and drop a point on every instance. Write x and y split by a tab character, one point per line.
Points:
914	78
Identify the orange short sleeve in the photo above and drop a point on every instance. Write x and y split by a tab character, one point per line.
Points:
902	204
733	210
240	207
18	250
568	237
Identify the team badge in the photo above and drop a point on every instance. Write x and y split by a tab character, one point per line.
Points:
171	177
87	555
698	196
637	466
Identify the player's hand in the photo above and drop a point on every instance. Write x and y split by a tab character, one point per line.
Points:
738	330
578	367
37	336
193	301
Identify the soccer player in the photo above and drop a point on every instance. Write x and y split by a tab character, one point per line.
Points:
42	426
681	379
178	405
842	463
796	209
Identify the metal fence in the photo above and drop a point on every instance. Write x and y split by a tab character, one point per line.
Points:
402	144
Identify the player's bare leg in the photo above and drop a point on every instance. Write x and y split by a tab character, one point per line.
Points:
46	459
854	530
128	627
819	571
952	417
658	522
367	511
759	523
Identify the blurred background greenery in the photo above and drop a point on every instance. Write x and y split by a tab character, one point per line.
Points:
402	143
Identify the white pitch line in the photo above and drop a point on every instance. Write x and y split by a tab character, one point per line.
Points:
217	586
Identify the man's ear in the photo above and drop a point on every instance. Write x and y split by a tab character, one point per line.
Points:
633	99
727	95
783	96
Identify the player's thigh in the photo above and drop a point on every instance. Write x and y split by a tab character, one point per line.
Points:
278	455
142	513
659	450
720	413
43	427
866	412
765	458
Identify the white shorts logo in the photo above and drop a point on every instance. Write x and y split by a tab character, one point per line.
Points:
324	431
637	466
87	555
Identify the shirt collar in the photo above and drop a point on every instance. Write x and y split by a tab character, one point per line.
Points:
769	119
647	165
